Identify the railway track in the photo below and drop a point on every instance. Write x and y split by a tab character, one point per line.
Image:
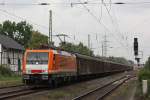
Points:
7	93
17	91
102	91
11	86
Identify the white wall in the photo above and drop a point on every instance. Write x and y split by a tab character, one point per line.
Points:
13	58
0	47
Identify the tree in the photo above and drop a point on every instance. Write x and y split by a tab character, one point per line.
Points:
80	48
38	39
21	32
147	64
120	60
131	62
8	28
144	73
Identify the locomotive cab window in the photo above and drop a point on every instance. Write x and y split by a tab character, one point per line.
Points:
37	58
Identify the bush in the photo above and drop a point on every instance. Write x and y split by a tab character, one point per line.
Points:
144	74
5	71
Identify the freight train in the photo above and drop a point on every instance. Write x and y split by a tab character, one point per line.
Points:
52	66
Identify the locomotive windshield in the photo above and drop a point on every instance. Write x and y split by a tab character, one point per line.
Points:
37	58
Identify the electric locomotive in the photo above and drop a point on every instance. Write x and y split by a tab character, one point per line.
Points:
52	67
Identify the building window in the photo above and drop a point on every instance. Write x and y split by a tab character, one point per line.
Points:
13	57
9	62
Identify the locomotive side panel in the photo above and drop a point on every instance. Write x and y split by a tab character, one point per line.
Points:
64	64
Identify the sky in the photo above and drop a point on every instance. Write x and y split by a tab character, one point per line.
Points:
119	23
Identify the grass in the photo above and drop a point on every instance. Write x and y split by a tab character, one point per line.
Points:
7	77
7	81
58	95
124	92
144	74
138	93
68	92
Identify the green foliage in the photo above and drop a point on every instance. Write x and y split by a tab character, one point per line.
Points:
147	64
120	60
144	74
21	32
24	32
5	71
37	40
80	48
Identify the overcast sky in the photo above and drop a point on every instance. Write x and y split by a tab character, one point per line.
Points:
121	24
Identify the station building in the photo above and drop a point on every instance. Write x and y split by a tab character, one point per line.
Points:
11	53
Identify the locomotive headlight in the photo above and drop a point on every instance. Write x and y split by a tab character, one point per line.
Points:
26	76
45	77
29	71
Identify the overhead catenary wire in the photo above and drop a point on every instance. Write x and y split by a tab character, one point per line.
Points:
11	14
99	21
75	3
46	4
122	36
130	47
117	28
110	1
22	18
101	11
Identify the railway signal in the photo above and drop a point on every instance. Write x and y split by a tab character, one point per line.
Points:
136	46
136	51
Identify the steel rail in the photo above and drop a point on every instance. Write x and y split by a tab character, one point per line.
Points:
11	86
124	78
16	91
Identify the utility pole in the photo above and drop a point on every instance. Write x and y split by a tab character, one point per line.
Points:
89	43
50	41
102	49
105	46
